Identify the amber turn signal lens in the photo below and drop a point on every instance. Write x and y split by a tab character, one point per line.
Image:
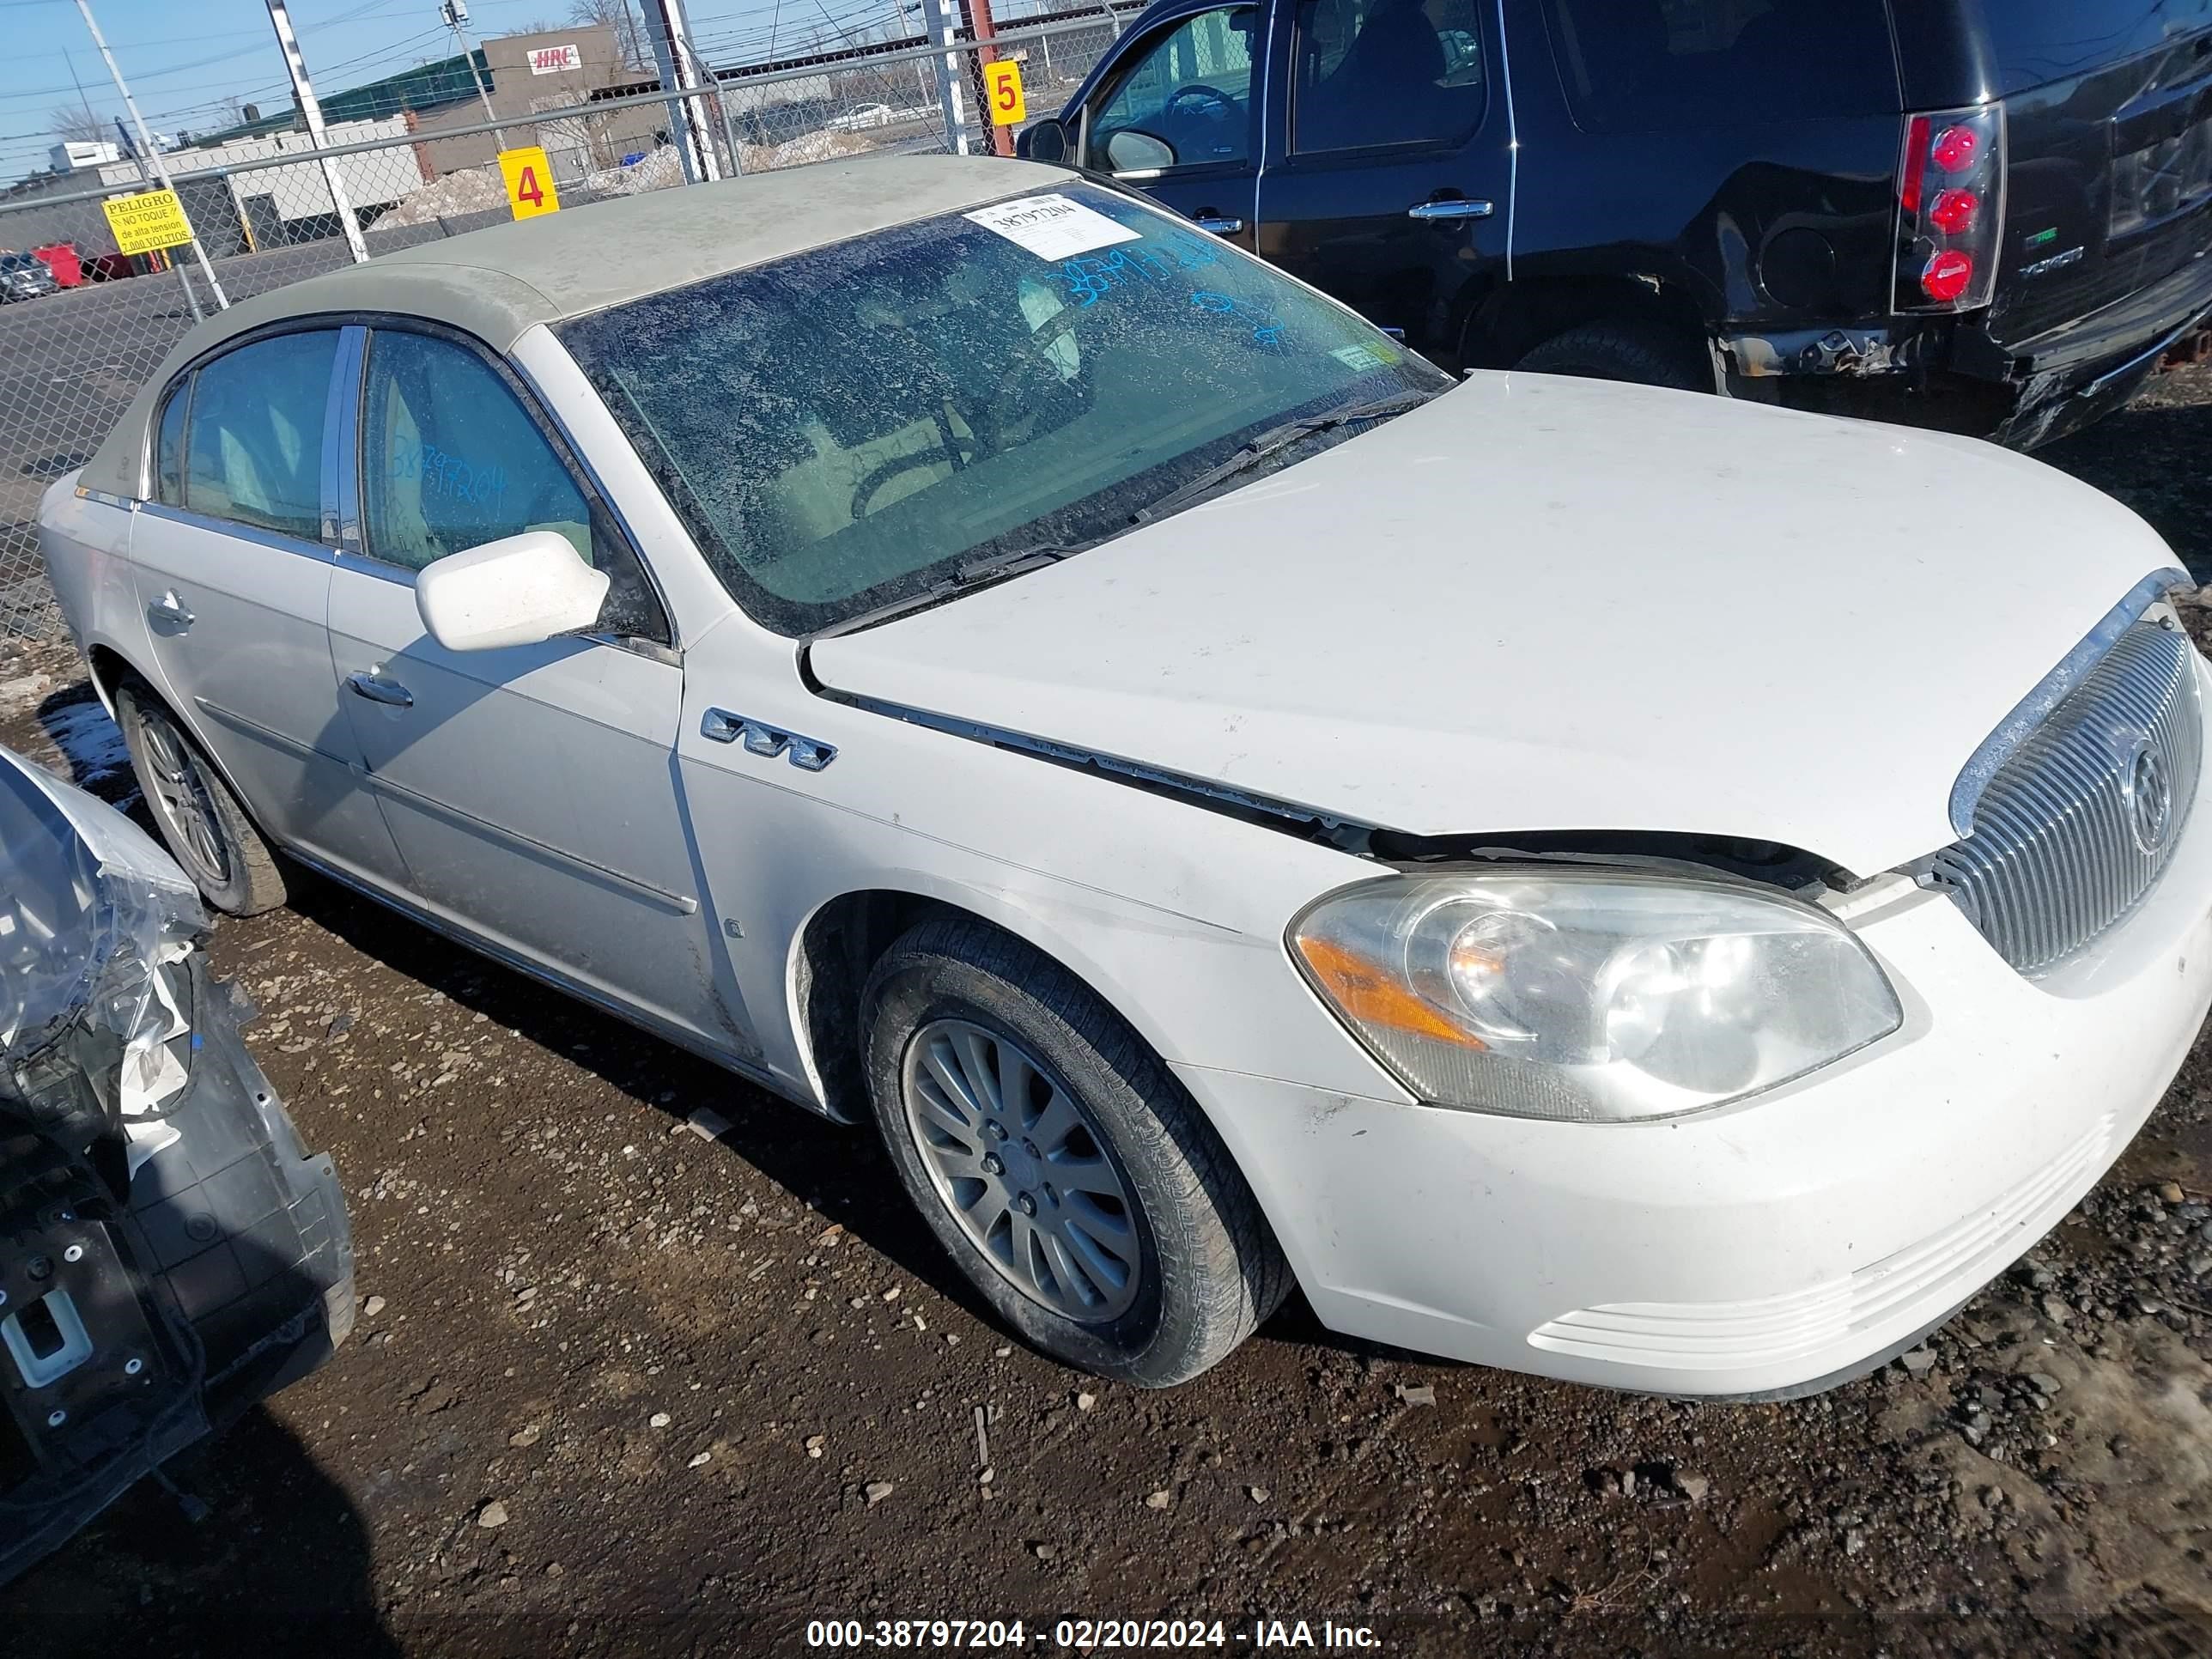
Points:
1371	995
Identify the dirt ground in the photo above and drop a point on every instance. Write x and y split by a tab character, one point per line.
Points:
621	1389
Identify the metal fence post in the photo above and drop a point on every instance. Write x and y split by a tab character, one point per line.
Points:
314	113
936	23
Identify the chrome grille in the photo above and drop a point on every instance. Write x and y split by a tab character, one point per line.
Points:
2074	825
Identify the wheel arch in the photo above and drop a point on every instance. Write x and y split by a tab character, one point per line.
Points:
108	667
1514	319
833	951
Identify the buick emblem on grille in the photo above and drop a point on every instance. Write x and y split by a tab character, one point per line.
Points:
2150	796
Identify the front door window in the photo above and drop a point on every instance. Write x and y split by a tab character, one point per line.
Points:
451	460
1186	101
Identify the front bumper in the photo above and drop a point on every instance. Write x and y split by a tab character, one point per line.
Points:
228	1276
1795	1239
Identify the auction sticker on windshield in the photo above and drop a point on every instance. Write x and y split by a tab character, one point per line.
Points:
1051	225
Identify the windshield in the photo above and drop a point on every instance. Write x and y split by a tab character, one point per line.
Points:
852	428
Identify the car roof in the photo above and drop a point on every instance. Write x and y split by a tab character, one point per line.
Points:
498	282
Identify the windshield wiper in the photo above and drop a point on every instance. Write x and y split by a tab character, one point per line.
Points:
975	573
1273	442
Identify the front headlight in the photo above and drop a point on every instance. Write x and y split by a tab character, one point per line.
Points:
1591	995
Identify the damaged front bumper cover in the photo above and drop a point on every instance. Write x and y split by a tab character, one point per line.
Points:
169	1253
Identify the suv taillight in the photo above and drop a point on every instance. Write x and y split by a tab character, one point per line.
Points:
1950	209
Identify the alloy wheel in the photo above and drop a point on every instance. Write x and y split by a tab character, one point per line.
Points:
181	800
1021	1167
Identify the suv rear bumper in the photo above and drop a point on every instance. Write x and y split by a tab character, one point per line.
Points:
2073	373
2023	394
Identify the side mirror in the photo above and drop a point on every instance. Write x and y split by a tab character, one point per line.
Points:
519	590
1043	140
1132	151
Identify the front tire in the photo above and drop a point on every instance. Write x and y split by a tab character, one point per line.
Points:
207	830
1059	1162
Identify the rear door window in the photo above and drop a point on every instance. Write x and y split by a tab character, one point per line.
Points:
254	440
1652	65
1372	72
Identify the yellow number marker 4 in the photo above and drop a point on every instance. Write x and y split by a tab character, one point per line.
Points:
529	178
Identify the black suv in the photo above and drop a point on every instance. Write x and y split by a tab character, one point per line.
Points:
1987	215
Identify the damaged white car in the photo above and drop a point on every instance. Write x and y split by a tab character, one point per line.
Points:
169	1254
1635	887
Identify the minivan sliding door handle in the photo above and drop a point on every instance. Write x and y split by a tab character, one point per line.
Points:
1455	209
1217	224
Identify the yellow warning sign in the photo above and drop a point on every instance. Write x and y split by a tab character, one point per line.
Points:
529	181
1003	80
153	219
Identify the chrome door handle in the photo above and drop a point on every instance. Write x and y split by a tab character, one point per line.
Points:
1455	209
1217	224
377	689
171	609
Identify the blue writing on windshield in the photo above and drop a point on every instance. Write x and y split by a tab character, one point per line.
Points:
1267	328
1091	276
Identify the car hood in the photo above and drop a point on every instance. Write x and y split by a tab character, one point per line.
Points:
1539	604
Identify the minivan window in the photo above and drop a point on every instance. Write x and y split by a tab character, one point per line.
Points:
254	442
860	425
1386	72
1645	65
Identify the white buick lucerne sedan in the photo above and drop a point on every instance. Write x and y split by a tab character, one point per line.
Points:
1611	883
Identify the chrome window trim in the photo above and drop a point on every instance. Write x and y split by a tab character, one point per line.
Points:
2032	710
341	438
276	539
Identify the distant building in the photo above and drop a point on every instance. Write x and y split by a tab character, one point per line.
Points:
77	154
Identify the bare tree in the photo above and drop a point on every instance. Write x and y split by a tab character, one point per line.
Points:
77	124
616	15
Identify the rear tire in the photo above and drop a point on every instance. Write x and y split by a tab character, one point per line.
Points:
206	830
1631	352
1095	1131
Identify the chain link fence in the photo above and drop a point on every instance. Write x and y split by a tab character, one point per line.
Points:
82	326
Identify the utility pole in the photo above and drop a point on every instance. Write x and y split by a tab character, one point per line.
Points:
670	27
454	14
304	90
152	155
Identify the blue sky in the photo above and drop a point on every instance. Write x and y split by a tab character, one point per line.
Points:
183	58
